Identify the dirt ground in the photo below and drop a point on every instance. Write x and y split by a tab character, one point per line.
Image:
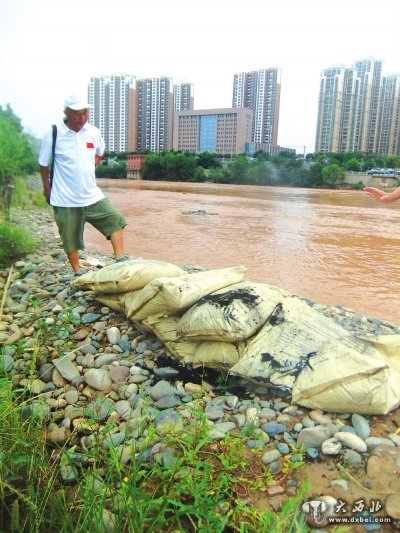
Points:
371	482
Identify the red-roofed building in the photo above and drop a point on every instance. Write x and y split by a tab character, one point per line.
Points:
134	166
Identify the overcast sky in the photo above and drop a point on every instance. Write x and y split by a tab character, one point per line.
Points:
51	48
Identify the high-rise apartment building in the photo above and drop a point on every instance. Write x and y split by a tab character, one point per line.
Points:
220	131
154	114
389	116
369	73
110	97
358	110
260	91
183	97
135	114
332	107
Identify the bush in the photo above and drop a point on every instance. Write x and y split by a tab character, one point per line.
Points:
116	171
25	198
15	242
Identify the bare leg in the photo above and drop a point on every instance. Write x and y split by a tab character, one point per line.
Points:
117	242
73	258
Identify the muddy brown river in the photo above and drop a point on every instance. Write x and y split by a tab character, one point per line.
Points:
335	247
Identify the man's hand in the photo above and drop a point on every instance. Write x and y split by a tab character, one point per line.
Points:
381	196
47	191
374	193
45	175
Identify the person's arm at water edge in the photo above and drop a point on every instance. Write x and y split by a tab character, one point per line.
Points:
382	196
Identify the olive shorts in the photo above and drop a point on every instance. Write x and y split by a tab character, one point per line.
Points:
71	222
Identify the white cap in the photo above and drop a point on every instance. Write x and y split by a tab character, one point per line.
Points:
76	104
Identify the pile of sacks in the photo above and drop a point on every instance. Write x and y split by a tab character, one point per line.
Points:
220	319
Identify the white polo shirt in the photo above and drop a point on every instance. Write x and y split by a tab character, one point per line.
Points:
74	181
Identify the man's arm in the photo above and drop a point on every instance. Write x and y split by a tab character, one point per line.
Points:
45	175
98	158
382	196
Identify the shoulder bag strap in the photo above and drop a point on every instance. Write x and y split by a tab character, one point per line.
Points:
53	149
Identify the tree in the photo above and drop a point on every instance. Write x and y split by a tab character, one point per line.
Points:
314	175
208	160
152	169
16	150
333	174
260	173
17	155
199	175
11	117
113	171
238	168
353	165
260	155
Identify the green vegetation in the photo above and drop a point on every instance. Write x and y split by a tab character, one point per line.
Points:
24	198
17	154
17	158
15	242
179	480
113	169
325	170
206	486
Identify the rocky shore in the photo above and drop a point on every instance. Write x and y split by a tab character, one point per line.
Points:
113	373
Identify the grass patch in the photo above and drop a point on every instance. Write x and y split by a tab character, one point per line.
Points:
26	198
15	242
135	476
153	480
201	486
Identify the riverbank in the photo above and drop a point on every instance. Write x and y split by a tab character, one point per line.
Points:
126	380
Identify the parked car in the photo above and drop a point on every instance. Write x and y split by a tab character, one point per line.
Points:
383	171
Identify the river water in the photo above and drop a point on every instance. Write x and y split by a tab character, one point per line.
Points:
335	247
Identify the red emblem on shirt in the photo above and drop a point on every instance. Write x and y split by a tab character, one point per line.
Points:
90	145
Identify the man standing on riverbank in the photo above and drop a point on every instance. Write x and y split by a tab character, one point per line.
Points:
382	196
71	188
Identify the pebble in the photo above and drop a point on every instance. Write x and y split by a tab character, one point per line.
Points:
72	396
331	446
272	428
392	506
313	437
113	335
6	363
66	368
342	483
361	426
99	379
161	389
270	456
320	418
373	442
119	374
351	457
373	466
112	377
312	453
351	441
